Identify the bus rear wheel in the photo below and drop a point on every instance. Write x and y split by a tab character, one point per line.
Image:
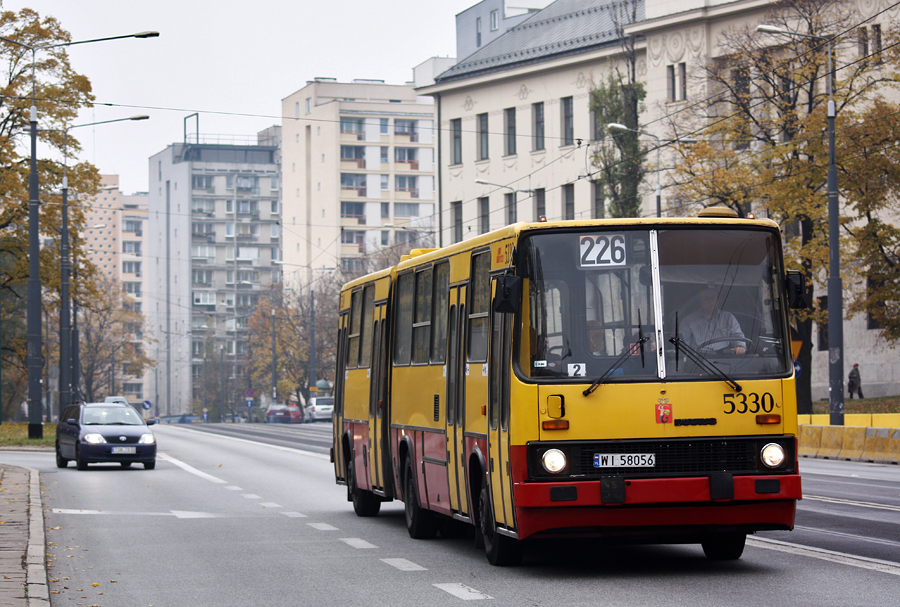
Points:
365	503
421	523
499	549
724	546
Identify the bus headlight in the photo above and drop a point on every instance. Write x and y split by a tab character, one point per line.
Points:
553	461
772	455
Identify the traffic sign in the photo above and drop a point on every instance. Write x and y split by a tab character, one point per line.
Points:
146	405
249	393
249	402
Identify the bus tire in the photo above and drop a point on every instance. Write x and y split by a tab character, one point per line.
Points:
421	523
724	546
365	503
499	549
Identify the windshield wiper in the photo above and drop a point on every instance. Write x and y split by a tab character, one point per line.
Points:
704	364
619	362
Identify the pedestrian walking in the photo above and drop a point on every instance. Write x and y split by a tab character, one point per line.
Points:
854	383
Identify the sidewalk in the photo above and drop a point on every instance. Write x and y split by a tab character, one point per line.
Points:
23	572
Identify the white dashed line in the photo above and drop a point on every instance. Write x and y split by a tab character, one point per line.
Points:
293	515
175	513
233	488
357	543
271	505
251	496
403	565
191	469
322	526
183	514
463	592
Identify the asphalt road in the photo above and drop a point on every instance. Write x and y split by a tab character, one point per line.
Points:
227	520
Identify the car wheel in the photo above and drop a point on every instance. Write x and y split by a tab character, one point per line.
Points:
61	462
420	523
499	549
365	503
150	465
79	461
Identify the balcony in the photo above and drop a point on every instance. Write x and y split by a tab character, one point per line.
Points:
409	192
352	135
353	220
346	191
353	163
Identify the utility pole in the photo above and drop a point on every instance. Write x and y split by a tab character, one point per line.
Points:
274	370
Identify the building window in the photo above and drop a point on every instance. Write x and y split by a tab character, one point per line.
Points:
408	156
132	288
540	204
478	32
510	200
456	218
384	154
676	82
509	131
456	137
132	225
876	42
308	105
385	183
537	115
482	120
568	191
354	126
134	390
599	210
352	181
385	210
407	183
567	115
495	20
406	209
354	210
131	267
355	238
407	128
484	215
132	248
384	125
596	126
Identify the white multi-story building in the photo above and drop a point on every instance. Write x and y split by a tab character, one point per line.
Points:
213	235
515	128
358	170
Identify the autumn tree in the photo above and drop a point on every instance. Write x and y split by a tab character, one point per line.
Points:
58	93
110	339
764	147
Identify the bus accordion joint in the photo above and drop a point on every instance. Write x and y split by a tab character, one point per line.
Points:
555	424
771	418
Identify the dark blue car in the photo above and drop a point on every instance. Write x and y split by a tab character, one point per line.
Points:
104	432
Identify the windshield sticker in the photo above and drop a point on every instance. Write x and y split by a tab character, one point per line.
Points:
577	369
540	364
600	251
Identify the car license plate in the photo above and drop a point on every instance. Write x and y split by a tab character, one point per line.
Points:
123	450
624	460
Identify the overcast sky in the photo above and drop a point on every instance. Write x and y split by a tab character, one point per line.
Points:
228	56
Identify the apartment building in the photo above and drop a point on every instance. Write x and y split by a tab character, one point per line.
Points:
515	129
114	235
359	173
213	235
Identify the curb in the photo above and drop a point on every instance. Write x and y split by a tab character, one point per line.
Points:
35	558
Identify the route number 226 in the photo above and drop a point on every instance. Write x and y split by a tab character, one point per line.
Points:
603	250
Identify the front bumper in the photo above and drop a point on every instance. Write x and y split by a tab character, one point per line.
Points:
103	453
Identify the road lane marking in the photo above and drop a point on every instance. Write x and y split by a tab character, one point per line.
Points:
270	505
356	542
184	514
403	565
826	555
322	526
233	488
251	496
463	592
875	540
837	500
191	469
175	513
257	443
293	515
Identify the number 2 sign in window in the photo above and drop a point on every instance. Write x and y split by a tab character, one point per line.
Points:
602	250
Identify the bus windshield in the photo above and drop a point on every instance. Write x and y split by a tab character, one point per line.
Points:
636	305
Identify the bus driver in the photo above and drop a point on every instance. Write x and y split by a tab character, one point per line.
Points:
709	327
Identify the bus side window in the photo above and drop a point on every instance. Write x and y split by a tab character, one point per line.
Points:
440	300
422	320
479	307
355	326
368	317
403	326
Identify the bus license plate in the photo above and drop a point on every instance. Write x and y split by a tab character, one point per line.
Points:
123	450
624	460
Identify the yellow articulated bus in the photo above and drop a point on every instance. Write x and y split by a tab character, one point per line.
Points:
629	380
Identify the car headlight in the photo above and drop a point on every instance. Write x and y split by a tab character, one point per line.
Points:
147	439
94	439
553	461
772	455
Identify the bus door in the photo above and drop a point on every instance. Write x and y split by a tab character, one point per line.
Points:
498	420
378	401
456	394
338	417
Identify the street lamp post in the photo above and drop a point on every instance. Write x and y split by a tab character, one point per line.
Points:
65	337
835	284
615	127
274	371
34	361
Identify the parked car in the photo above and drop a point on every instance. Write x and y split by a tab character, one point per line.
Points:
285	414
104	432
320	408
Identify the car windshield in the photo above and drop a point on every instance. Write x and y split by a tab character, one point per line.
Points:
633	304
111	416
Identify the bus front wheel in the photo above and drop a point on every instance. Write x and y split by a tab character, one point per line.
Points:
365	503
420	523
499	549
724	546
